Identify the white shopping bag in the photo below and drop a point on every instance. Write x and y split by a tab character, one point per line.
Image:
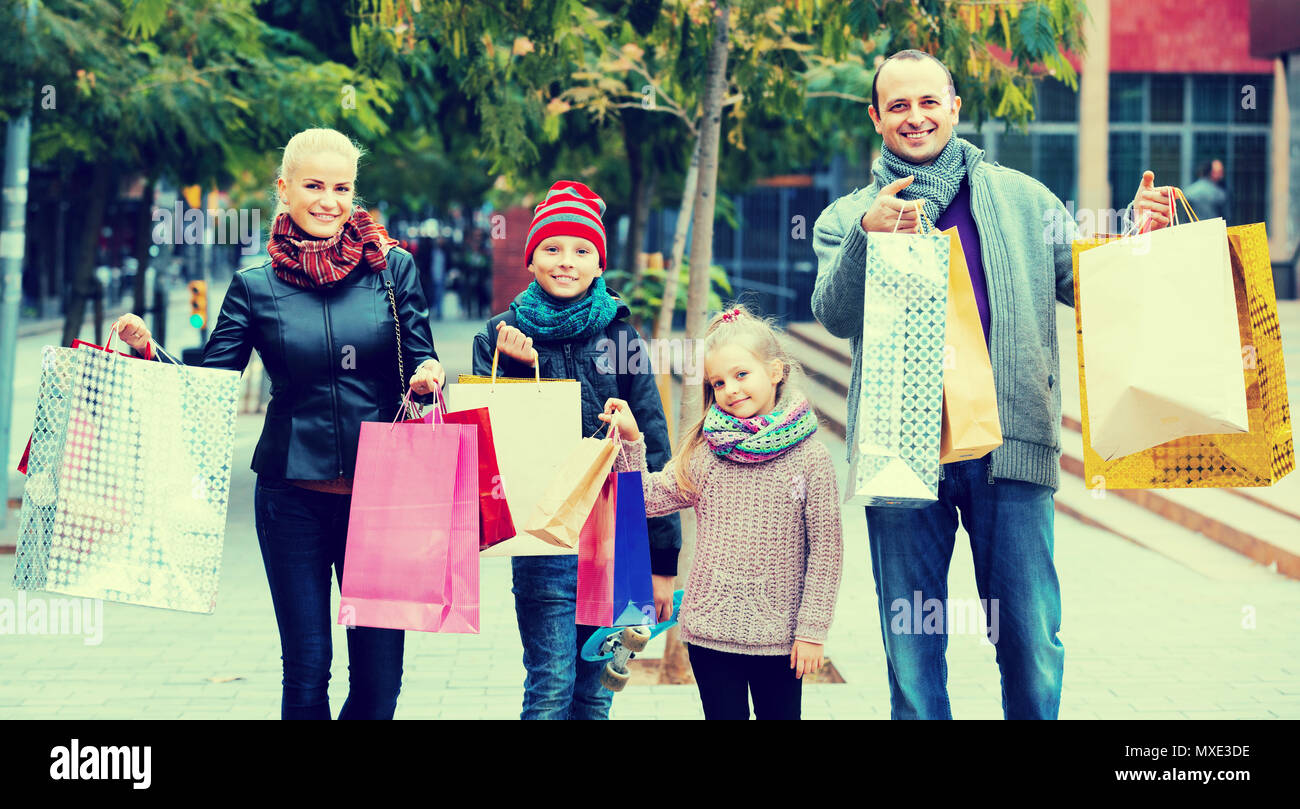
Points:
536	425
1160	339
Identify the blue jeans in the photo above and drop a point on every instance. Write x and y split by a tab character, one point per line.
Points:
559	684
302	534
1010	524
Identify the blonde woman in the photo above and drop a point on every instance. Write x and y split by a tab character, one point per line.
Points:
326	314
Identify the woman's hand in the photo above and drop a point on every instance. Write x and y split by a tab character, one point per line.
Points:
805	658
626	422
132	329
513	343
428	376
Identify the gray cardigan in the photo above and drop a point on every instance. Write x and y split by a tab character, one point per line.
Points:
1025	235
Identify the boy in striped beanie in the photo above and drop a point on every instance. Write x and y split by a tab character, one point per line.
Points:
572	327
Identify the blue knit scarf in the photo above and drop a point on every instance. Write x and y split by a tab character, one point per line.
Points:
542	316
936	183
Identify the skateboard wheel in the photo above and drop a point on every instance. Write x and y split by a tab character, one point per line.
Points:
635	638
612	679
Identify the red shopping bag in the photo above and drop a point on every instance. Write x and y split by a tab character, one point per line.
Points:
495	522
411	560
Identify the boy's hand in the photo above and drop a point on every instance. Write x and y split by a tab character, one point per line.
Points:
663	587
513	343
626	422
805	658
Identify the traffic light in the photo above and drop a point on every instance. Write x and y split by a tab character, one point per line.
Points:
198	304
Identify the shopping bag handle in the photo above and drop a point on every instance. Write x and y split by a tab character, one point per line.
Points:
537	370
1175	193
613	435
112	332
920	209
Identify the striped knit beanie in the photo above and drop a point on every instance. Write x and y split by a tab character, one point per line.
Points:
570	209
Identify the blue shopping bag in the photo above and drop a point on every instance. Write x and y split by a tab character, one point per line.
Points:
614	586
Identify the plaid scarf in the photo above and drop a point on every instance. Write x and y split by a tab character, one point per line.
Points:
307	262
760	438
936	183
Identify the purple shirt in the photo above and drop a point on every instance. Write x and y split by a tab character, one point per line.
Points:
958	214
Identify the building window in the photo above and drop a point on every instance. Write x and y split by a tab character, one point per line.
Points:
1127	97
1167	99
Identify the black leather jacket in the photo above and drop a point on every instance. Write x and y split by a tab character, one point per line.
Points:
611	364
331	355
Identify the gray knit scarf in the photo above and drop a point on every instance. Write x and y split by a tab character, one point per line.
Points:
936	183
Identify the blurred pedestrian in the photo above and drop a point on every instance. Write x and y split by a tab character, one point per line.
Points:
1207	195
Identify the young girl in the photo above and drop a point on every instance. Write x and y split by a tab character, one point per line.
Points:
761	591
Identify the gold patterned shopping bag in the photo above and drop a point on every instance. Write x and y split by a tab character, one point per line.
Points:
1259	457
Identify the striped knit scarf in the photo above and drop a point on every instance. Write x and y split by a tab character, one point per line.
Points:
306	262
936	183
760	438
544	317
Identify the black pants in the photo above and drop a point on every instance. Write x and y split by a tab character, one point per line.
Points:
726	681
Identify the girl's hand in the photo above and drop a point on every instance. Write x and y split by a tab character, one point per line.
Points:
805	658
626	422
663	590
513	343
132	329
428	376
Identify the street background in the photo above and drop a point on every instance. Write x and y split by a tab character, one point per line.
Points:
1146	635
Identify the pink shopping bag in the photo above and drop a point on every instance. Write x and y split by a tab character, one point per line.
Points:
412	553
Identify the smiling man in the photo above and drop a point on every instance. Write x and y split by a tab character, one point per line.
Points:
1005	500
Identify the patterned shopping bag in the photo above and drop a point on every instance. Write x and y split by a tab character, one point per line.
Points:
128	480
895	457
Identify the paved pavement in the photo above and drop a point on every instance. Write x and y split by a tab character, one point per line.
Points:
1145	637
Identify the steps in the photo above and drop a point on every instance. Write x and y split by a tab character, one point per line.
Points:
1196	527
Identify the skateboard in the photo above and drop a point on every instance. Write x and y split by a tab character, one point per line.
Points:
619	644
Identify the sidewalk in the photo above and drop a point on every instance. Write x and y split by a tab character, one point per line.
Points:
1145	637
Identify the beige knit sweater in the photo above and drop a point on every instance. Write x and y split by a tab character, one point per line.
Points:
768	546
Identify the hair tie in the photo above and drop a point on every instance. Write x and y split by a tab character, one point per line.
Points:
727	317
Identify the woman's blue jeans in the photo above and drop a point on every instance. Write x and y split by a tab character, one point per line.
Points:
302	534
559	683
1010	524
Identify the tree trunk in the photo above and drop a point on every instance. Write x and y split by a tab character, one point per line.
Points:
664	323
636	171
640	221
83	280
676	663
143	241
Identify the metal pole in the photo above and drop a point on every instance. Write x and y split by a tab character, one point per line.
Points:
13	246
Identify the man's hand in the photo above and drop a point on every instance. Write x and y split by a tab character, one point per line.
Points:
805	658
888	210
663	589
1151	205
513	343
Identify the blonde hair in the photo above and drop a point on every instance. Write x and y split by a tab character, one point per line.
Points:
759	335
310	142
